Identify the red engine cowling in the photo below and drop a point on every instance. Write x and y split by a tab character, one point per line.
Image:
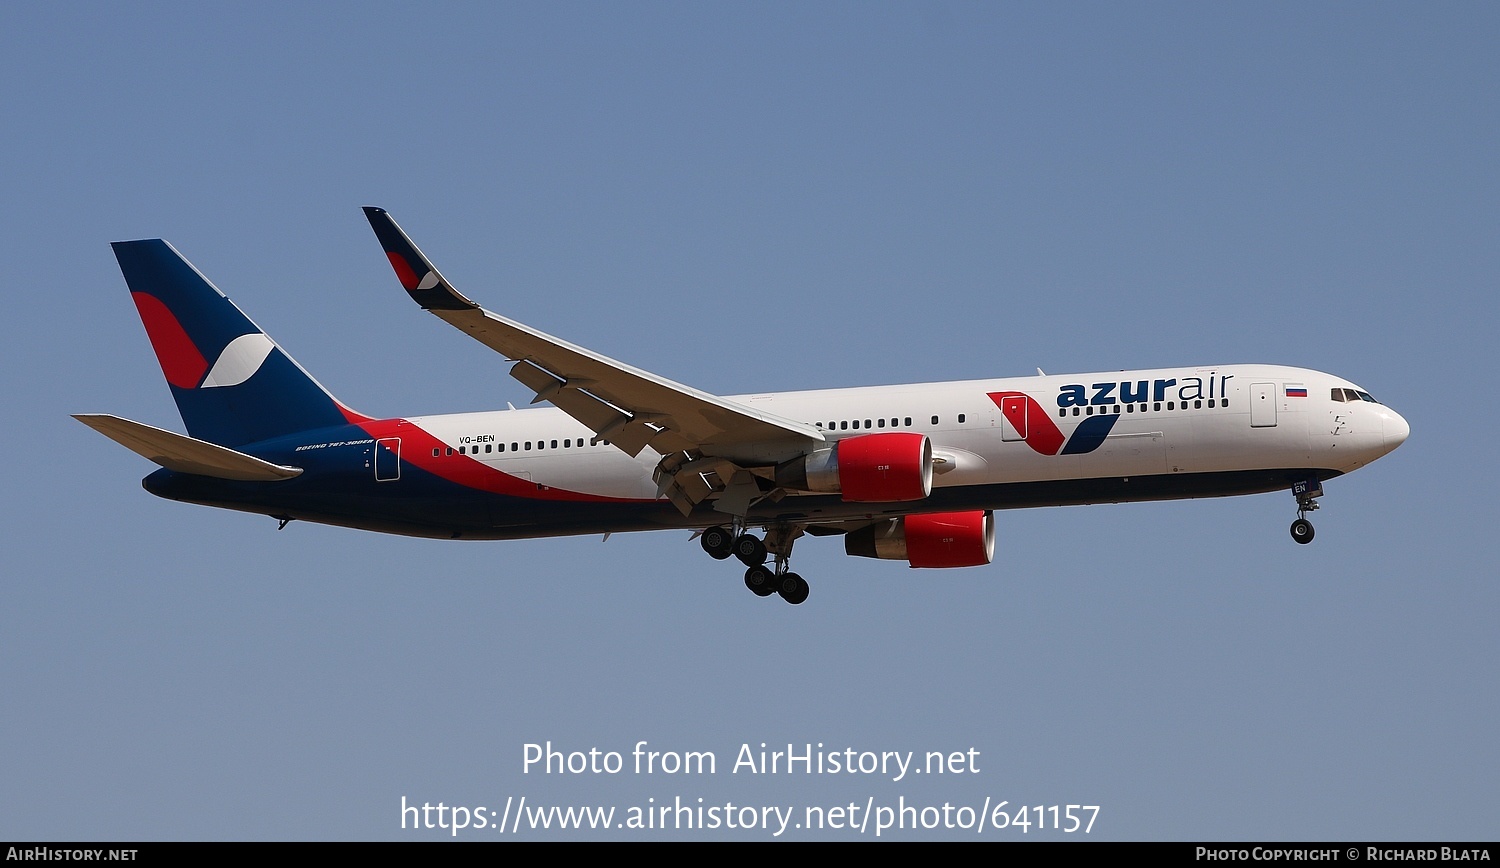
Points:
869	468
933	540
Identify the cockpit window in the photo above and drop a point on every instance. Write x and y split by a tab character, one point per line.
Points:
1352	396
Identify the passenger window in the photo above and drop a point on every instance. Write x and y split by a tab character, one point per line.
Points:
934	420
450	450
554	444
488	448
436	451
961	418
908	421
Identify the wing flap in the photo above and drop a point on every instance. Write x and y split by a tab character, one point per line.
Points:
630	431
186	454
701	419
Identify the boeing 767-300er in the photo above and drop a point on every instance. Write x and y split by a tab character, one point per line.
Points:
911	472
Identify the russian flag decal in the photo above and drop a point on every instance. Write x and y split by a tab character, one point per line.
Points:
1296	391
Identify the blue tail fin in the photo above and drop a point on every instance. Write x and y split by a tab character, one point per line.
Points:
232	383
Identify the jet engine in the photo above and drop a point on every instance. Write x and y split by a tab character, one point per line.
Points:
870	468
937	539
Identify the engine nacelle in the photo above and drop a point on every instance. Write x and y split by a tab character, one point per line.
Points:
937	539
870	468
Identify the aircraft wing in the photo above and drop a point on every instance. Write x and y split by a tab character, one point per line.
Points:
629	407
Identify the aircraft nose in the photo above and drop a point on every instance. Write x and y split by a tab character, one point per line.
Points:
1396	429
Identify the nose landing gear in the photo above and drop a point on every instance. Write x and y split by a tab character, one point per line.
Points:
1306	493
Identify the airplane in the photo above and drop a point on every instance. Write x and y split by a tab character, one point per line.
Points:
904	472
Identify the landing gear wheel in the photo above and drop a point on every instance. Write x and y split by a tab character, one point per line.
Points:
717	542
1302	531
750	550
760	580
793	589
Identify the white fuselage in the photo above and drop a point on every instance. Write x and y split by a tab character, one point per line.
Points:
1191	421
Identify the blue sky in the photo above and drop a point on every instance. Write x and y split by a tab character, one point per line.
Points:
749	198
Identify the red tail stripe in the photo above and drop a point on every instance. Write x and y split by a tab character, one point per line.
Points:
181	361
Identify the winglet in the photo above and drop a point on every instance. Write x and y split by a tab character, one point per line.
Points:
422	281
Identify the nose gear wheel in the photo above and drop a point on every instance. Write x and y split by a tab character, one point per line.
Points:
1307	493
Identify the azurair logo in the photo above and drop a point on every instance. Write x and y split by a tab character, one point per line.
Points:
1142	391
1031	422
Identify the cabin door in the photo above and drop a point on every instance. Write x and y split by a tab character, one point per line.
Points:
387	459
1262	405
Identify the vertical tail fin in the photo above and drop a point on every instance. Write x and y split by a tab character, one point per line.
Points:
232	383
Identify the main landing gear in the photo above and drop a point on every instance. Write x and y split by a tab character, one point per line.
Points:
1307	492
750	550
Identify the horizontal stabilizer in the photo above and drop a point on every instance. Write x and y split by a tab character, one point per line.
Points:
186	454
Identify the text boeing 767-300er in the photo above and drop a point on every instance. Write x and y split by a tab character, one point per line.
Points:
910	472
